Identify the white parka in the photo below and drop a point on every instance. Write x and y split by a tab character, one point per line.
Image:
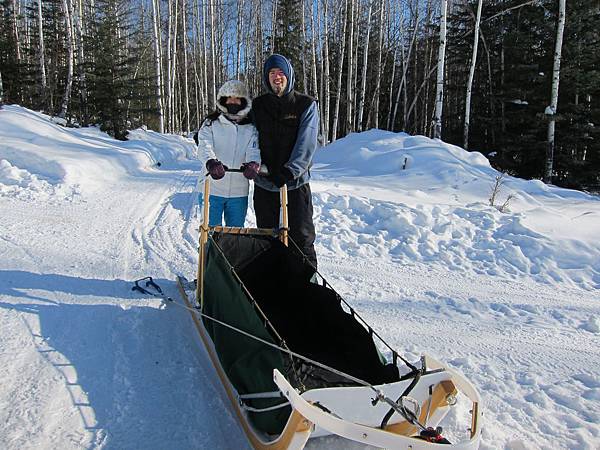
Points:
233	145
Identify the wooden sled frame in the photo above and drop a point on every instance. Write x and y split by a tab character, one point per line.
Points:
205	228
310	418
312	413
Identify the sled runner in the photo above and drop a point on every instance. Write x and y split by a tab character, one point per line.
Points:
296	361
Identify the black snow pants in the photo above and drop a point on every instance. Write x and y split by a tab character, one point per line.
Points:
300	216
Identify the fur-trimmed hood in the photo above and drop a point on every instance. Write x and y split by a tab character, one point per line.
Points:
234	88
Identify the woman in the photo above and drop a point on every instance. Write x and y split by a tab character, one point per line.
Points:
228	139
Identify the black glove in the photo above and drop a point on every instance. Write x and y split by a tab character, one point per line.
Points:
281	178
215	169
251	170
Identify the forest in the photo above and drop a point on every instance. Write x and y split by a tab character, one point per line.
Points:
517	80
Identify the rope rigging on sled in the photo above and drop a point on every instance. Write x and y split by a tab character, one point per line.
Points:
395	406
269	322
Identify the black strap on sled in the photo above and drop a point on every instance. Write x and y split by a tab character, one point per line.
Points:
150	283
407	414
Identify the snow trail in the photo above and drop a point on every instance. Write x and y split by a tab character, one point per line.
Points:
404	233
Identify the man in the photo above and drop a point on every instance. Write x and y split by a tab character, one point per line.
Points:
288	125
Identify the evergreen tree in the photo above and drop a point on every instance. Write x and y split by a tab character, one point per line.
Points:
509	120
8	55
577	161
288	39
55	48
114	91
524	91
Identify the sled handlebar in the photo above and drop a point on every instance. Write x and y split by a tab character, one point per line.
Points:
263	171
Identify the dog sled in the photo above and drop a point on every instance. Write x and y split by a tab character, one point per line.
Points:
297	361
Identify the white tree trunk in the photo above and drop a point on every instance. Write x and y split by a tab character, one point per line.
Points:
427	57
551	109
379	56
195	52
68	11
363	81
274	27
16	30
186	90
340	67
158	64
41	50
402	88
355	78
327	83
471	75
313	50
303	58
259	48
212	54
168	93
439	91
204	68
238	39
175	124
81	61
349	76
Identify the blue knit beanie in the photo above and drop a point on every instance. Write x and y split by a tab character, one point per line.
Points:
281	62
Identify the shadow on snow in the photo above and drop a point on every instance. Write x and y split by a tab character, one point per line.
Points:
134	371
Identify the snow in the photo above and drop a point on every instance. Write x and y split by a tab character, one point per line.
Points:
405	233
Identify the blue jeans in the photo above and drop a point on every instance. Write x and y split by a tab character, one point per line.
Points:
234	209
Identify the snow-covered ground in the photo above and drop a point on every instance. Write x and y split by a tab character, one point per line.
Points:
404	231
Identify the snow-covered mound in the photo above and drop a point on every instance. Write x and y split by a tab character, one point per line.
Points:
431	204
47	158
405	233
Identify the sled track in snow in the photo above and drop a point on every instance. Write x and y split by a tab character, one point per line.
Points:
165	231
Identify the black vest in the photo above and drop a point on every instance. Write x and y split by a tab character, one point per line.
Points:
277	120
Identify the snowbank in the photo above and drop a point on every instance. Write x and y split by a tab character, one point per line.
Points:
405	233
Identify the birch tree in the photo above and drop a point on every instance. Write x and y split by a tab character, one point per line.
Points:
204	67
42	53
169	56
471	75
81	62
405	65
68	11
173	75
213	99
238	37
551	109
158	64
363	82
378	75
427	57
349	90
185	66
327	84
15	23
343	20
313	52
439	91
